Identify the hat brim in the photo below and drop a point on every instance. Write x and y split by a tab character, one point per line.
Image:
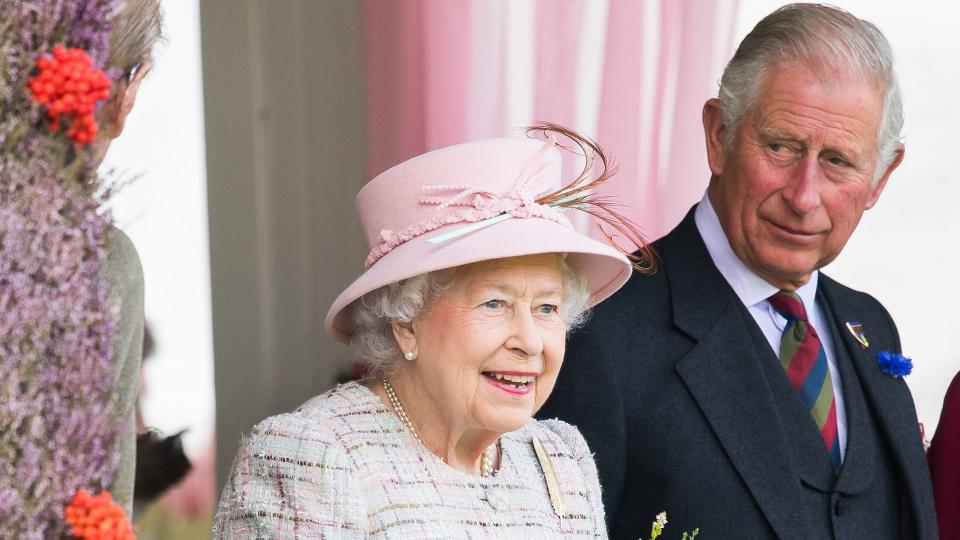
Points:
604	268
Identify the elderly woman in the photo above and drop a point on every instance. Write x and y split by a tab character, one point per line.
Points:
136	31
473	280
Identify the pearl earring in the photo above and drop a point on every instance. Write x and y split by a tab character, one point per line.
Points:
409	355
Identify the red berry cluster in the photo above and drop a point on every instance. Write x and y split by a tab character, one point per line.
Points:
69	87
97	517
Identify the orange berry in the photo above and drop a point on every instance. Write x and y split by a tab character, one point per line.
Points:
69	86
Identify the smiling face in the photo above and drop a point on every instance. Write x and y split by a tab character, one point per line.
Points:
489	349
799	173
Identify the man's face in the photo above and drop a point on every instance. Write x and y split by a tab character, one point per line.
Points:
799	174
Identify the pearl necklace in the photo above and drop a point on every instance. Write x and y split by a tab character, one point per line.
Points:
486	465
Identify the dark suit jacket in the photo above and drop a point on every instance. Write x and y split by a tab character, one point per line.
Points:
944	457
688	411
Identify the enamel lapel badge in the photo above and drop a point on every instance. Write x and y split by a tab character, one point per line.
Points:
856	330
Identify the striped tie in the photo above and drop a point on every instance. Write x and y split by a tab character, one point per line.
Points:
805	362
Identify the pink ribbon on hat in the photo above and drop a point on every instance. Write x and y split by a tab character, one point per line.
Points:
480	206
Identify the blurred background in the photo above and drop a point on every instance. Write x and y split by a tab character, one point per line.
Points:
262	119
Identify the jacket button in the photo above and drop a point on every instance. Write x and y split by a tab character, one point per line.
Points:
839	507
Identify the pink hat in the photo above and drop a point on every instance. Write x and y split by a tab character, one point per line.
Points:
467	203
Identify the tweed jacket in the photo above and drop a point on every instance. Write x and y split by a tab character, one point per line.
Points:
689	411
343	466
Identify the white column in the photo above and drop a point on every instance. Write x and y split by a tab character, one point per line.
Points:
284	101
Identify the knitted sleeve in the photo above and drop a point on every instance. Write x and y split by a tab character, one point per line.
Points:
572	437
291	479
125	277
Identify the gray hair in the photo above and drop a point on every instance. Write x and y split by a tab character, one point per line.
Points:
827	39
373	314
137	28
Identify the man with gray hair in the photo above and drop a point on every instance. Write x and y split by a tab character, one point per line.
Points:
738	388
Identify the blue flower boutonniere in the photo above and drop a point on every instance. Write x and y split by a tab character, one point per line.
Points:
894	364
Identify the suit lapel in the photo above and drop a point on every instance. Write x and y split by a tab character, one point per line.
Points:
860	458
888	397
723	374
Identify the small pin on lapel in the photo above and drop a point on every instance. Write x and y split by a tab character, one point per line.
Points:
856	330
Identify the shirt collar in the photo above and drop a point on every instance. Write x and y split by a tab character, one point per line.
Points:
750	288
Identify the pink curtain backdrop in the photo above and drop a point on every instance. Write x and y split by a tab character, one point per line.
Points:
438	73
557	39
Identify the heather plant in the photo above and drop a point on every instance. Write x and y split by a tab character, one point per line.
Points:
57	315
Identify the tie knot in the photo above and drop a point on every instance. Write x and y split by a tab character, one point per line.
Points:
789	305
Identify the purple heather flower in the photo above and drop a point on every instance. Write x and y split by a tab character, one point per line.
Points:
57	317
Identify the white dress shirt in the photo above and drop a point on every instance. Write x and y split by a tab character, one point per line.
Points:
753	291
